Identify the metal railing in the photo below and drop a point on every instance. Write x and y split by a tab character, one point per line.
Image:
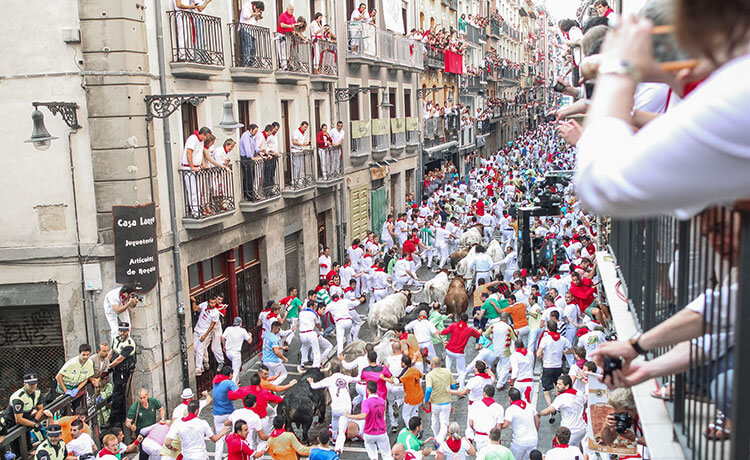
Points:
325	58
398	132
292	54
434	58
386	46
362	39
380	134
474	34
467	135
494	27
207	192
251	46
666	265
409	52
16	439
299	169
412	131
360	137
330	163
196	38
260	179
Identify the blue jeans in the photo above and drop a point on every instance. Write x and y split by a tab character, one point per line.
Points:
249	46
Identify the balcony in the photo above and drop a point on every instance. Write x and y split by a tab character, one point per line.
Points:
495	28
470	84
412	134
197	46
386	44
293	58
381	140
434	58
325	66
476	35
330	166
409	54
208	196
440	133
467	137
261	183
650	270
299	173
362	43
360	148
398	136
251	52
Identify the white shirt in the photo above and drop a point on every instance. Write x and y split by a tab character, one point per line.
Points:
423	330
246	14
298	138
500	332
193	434
83	444
522	422
462	450
564	453
486	417
522	367
325	264
337	135
695	155
359	363
196	145
553	351
340	309
272	143
110	300
205	318
651	97
338	388
308	318
571	407
251	418
234	337
591	341
476	386
181	409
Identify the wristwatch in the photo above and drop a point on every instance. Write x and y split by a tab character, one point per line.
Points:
634	343
619	67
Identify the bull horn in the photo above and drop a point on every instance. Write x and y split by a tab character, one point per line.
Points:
418	290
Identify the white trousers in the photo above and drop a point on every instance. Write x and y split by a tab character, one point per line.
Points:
485	355
375	442
395	397
430	348
440	418
482	441
338	425
152	448
343	332
576	437
444	253
360	387
356	325
502	370
460	360
218	426
521	452
235	357
277	368
322	153
408	411
200	349
310	342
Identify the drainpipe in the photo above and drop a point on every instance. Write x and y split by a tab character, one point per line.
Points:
172	206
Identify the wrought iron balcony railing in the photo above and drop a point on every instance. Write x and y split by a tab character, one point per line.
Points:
251	46
196	38
207	192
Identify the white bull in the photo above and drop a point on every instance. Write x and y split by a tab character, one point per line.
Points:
470	237
437	287
495	250
386	313
382	347
463	267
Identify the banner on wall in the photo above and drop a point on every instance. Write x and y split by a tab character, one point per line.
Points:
392	17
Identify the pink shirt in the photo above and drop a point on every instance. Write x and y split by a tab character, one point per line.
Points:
285	18
374	406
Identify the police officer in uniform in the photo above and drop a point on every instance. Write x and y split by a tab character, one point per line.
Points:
122	364
53	448
25	408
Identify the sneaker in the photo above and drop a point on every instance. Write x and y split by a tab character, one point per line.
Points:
394	429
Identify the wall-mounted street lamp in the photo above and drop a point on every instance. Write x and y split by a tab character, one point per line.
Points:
40	137
347	94
423	92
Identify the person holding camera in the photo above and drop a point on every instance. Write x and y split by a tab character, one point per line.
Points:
117	305
624	421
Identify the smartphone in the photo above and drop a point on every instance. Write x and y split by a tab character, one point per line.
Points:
589	86
557	86
667	52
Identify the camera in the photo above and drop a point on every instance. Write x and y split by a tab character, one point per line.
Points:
557	86
549	118
623	420
137	297
611	365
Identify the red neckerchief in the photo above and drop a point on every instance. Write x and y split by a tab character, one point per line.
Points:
377	269
354	246
520	403
219	378
484	375
186	401
454	444
488	401
562	446
523	351
555	335
409	456
570	391
286	300
189	417
276	432
582	331
197	135
404	336
348	289
106	451
301	132
272	315
320	288
580	363
265	136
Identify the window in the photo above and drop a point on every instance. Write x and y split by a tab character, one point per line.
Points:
189	120
374	112
407	102
246	113
354	107
394	102
207	274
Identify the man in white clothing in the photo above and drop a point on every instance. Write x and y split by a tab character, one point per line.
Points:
571	406
209	318
403	274
502	337
231	341
117	305
337	385
524	420
551	349
565	449
339	309
395	391
424	331
324	262
309	334
193	432
247	415
192	158
335	153
187	396
299	144
522	370
484	415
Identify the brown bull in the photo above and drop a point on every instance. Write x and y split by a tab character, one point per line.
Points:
456	256
456	300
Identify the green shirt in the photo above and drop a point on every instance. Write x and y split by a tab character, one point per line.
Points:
146	416
293	310
427	236
437	319
408	439
495	452
489	306
390	265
